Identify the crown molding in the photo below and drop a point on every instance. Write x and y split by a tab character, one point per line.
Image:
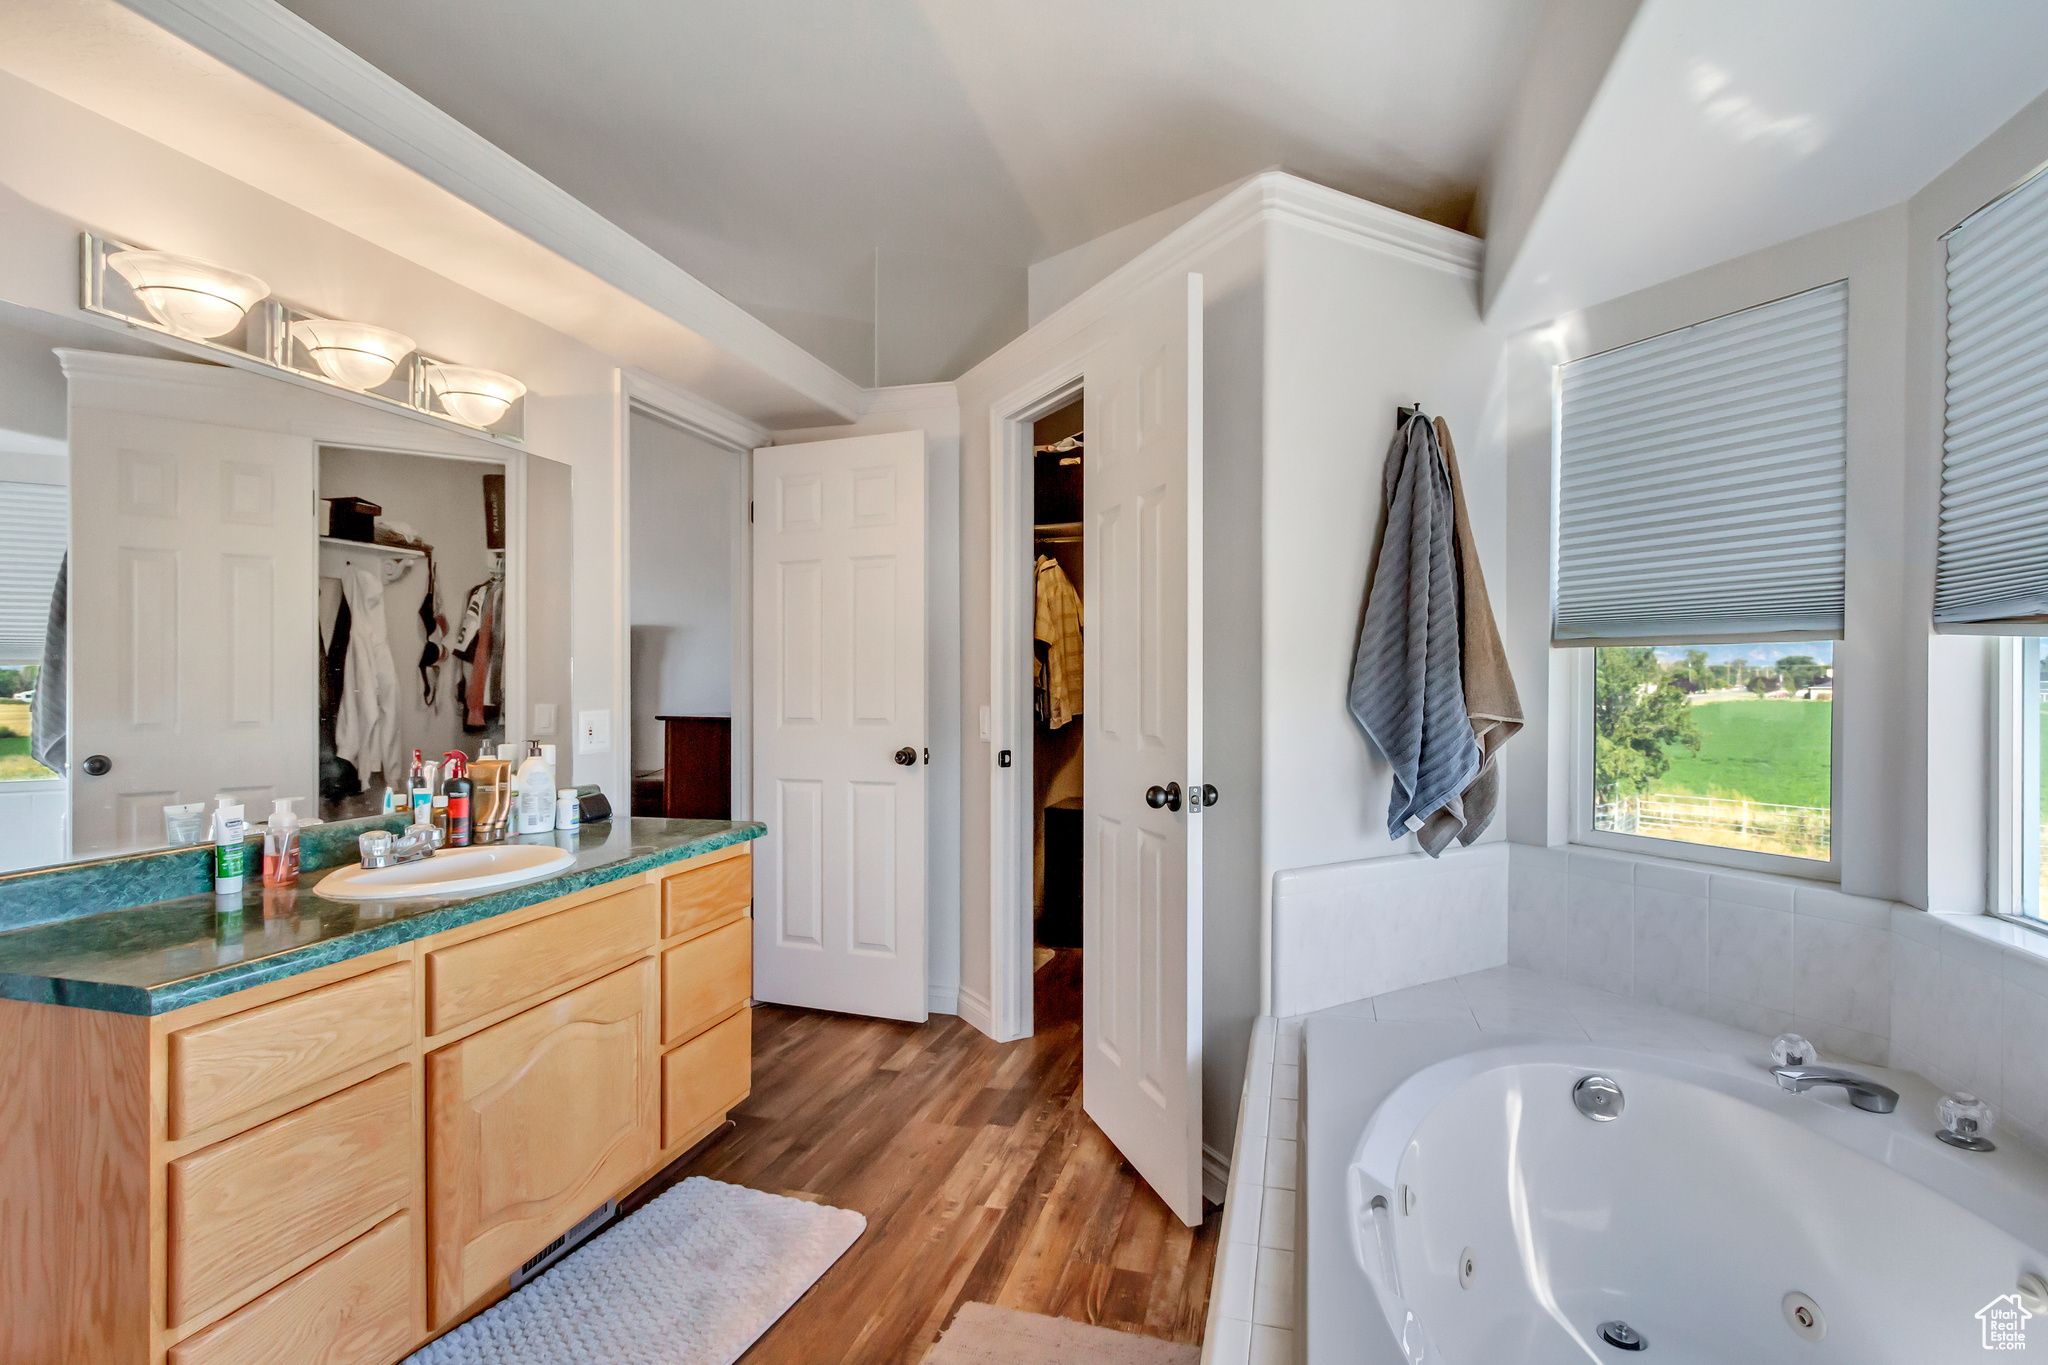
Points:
1268	197
692	411
911	398
274	47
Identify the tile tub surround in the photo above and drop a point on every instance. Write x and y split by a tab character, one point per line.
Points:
1252	1299
154	958
1362	928
1767	954
1970	1012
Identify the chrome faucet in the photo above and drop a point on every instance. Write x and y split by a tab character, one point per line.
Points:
379	849
1863	1092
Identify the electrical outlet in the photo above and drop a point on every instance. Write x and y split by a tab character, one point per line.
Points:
543	717
593	732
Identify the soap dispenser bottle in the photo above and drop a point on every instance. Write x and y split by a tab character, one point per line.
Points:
458	789
281	844
536	792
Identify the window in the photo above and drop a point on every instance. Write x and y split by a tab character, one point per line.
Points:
32	535
2023	690
1725	745
1700	509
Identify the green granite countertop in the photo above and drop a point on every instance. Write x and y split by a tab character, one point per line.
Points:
162	956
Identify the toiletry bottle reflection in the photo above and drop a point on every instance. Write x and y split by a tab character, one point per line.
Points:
457	789
281	844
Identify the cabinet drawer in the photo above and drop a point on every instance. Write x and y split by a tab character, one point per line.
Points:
243	1062
702	897
706	1076
244	1209
532	1123
706	979
353	1308
485	974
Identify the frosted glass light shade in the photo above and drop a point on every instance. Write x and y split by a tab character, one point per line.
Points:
353	354
192	297
473	396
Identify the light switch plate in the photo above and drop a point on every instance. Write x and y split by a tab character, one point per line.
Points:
593	732
543	717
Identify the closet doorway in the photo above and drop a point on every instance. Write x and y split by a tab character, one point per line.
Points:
1059	578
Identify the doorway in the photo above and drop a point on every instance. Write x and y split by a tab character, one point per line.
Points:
1058	571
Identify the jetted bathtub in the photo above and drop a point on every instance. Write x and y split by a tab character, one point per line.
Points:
1460	1210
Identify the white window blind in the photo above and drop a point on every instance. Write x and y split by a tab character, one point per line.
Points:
34	525
1699	479
1991	573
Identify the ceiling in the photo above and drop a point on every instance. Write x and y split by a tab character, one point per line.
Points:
1722	129
872	180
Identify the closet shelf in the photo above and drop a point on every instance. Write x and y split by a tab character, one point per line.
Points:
371	548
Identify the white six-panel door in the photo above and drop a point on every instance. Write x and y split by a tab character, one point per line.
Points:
839	706
192	631
1142	718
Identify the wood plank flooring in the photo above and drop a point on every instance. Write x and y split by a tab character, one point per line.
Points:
980	1177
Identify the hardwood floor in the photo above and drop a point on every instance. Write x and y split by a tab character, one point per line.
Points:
980	1177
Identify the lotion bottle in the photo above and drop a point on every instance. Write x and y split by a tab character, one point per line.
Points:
230	847
536	792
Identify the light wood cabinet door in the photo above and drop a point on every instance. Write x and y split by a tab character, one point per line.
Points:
244	1209
534	1122
706	1077
705	979
701	897
357	1307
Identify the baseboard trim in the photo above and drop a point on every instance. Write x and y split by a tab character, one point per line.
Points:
942	1000
1215	1174
973	1007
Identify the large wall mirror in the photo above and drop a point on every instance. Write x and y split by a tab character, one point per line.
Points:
215	582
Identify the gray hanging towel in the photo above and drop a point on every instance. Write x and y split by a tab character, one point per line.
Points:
1407	689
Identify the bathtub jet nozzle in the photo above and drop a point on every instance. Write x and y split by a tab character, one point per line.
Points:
1621	1336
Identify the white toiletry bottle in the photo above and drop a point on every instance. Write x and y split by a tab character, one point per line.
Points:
568	810
536	792
230	847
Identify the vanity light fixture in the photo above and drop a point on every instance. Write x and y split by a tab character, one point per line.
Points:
352	354
476	397
192	297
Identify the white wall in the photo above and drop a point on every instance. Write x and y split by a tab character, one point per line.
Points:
78	170
934	409
680	504
1058	280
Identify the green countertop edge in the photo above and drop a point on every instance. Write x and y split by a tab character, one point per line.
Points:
112	998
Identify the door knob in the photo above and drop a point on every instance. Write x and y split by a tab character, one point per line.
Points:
907	756
1209	795
99	765
1167	796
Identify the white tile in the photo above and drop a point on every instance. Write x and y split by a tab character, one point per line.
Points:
1968	1045
1749	954
1286	1119
2027	972
1350	1009
1253	1118
1434	1001
1276	1223
1755	1019
1535	857
1244	1206
1286	1082
1683	881
1755	891
1272	1345
1598	945
1825	902
1273	1294
1917	925
1290	1033
1670	953
1511	1016
1237	1269
1668	1031
1838	1044
1263	1033
2023	1079
1842	973
1280	1162
1537	921
1601	867
1229	1343
1259	1078
1916	996
1983	953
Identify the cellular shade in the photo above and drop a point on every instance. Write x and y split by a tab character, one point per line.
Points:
1700	481
34	528
1991	575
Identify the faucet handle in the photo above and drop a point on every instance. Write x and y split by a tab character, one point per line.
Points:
1965	1122
1789	1049
374	848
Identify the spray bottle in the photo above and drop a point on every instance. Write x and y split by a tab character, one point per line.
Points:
456	787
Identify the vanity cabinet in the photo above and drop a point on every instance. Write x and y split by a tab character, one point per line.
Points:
335	1167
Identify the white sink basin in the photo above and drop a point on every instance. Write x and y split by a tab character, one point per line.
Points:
450	872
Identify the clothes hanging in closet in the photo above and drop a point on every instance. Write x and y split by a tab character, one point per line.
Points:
366	725
480	646
1058	624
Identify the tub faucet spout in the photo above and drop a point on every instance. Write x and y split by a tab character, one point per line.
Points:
1864	1093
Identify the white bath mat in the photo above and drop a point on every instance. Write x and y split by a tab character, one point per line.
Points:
694	1278
983	1334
